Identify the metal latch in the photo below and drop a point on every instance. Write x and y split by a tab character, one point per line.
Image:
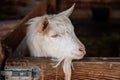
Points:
21	73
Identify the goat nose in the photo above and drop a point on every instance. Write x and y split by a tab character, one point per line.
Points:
82	50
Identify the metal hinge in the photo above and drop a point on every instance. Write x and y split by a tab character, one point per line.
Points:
20	73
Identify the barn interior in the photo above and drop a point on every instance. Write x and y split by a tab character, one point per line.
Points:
96	22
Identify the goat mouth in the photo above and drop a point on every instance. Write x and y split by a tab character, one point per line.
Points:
78	56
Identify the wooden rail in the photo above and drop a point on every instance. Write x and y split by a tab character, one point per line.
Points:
86	69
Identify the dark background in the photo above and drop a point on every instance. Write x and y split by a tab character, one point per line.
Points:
97	22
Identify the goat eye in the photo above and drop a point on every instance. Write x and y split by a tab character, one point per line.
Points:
55	35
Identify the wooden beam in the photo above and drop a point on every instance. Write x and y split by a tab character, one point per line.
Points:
18	34
51	6
86	69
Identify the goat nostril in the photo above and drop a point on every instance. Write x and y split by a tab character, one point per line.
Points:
81	49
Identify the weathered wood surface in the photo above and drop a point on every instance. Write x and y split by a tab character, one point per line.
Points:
86	69
6	29
14	39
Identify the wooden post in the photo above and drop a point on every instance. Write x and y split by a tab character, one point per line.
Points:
2	56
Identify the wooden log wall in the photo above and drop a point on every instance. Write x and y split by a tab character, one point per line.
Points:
83	8
87	4
14	39
86	69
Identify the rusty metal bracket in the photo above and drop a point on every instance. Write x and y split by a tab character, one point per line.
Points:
21	73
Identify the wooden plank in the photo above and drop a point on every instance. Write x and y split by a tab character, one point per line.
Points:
18	34
86	69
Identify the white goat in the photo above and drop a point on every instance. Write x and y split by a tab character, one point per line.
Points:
53	36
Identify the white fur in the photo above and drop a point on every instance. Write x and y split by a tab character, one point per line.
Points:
64	47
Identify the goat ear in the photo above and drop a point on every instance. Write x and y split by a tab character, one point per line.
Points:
43	24
68	12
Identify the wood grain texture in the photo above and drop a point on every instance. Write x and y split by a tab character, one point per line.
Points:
86	69
6	29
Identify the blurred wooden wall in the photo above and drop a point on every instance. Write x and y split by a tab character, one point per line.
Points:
83	7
